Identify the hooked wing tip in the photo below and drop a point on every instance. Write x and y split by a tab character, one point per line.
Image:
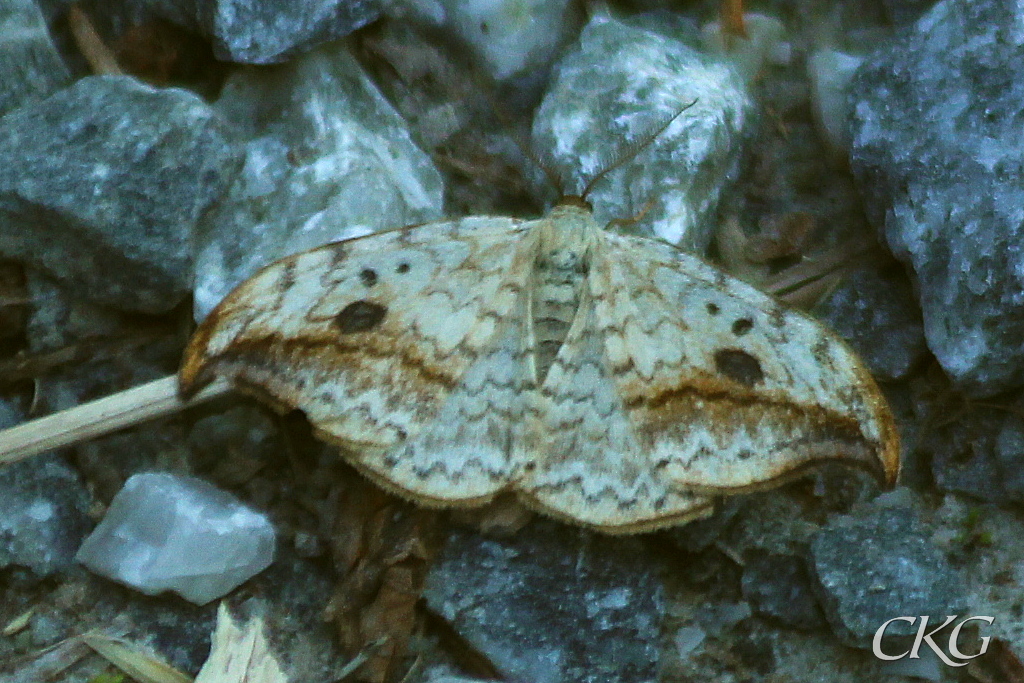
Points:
196	369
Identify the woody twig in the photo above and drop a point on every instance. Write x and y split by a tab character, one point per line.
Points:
158	398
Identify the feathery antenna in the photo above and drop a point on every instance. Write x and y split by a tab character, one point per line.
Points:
632	149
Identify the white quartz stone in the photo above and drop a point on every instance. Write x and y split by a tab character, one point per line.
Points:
178	533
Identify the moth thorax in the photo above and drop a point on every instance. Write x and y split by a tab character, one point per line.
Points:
561	276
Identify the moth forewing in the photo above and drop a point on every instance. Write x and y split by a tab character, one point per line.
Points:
464	454
754	394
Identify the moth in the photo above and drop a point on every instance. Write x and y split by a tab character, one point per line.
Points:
607	380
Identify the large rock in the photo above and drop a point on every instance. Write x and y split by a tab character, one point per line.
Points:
327	158
936	147
44	517
265	31
30	67
870	569
553	604
102	183
875	311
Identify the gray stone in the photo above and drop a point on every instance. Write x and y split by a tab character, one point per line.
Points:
102	183
871	569
876	312
30	67
963	455
452	112
903	12
233	445
618	87
971	450
327	159
720	617
1009	452
266	31
57	318
441	675
927	666
169	532
553	604
112	351
9	414
47	629
506	37
779	586
936	149
44	516
290	592
701	534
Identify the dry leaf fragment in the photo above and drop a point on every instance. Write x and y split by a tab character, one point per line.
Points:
779	237
53	661
382	549
240	653
134	660
999	665
18	623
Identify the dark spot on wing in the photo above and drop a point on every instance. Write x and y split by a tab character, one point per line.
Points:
402	268
368	276
360	316
338	254
713	309
288	276
742	326
739	366
822	352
